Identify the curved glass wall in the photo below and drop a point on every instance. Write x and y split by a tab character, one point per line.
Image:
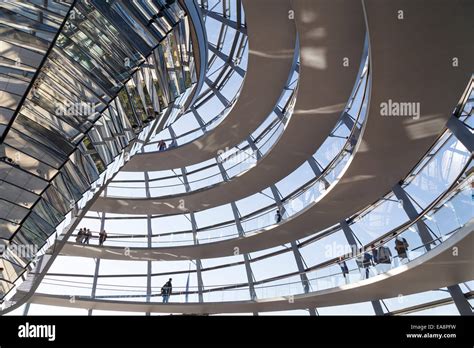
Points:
449	212
439	188
448	155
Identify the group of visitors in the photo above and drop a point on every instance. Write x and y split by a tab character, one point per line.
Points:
162	145
84	235
379	260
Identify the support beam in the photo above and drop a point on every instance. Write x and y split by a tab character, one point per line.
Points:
349	123
254	148
226	59
317	171
199	119
279	113
217	93
294	248
26	309
410	210
97	264
172	132
149	263
28	304
225	177
147	185
198	261
235	210
460	301
377	307
301	269
194	227
199	280
94	284
226	21
184	174
349	235
462	132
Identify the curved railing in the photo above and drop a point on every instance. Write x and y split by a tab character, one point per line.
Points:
450	211
254	223
245	155
299	199
234	162
322	276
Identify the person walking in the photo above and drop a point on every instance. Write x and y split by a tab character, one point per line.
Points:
367	261
375	257
344	269
88	236
375	253
166	291
277	216
102	237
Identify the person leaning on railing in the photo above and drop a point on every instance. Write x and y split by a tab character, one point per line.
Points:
161	145
102	237
384	258
364	260
401	246
80	235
